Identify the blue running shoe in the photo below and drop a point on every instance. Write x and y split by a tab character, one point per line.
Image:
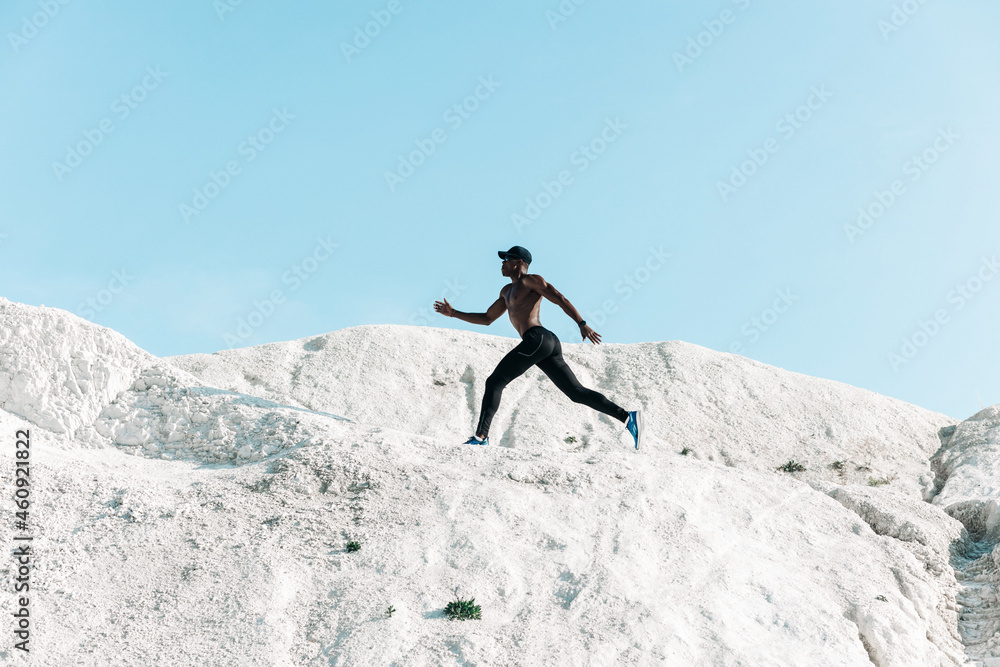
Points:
474	441
634	425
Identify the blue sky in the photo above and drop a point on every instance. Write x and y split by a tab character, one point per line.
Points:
201	176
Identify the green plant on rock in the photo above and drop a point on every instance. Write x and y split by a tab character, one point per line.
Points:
462	609
570	439
685	451
888	479
389	611
791	466
352	546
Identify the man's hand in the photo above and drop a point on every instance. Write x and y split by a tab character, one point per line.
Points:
444	308
590	334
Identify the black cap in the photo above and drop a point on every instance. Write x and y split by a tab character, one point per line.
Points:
517	252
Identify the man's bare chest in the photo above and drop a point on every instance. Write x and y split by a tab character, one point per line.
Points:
519	297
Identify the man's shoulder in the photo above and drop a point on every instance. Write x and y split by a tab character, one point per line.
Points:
535	282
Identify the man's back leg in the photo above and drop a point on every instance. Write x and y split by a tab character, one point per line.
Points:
562	376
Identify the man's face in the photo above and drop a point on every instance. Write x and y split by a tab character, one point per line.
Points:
509	266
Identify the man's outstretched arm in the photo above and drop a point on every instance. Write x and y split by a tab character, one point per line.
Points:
546	289
486	319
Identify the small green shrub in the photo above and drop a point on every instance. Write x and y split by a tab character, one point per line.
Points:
462	610
353	546
838	465
685	451
792	466
389	611
570	439
888	479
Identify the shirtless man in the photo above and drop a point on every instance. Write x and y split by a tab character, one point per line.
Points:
538	345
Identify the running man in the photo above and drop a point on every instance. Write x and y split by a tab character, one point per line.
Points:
538	345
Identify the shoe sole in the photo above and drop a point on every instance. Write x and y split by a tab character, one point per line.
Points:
638	426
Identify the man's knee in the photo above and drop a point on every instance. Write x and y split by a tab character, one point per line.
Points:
575	394
584	395
495	381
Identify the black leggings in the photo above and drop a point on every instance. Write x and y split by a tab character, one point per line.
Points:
540	346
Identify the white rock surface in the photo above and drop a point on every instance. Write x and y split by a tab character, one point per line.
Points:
969	469
722	407
971	461
195	510
58	370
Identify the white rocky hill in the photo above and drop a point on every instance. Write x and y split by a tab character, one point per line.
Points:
196	510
